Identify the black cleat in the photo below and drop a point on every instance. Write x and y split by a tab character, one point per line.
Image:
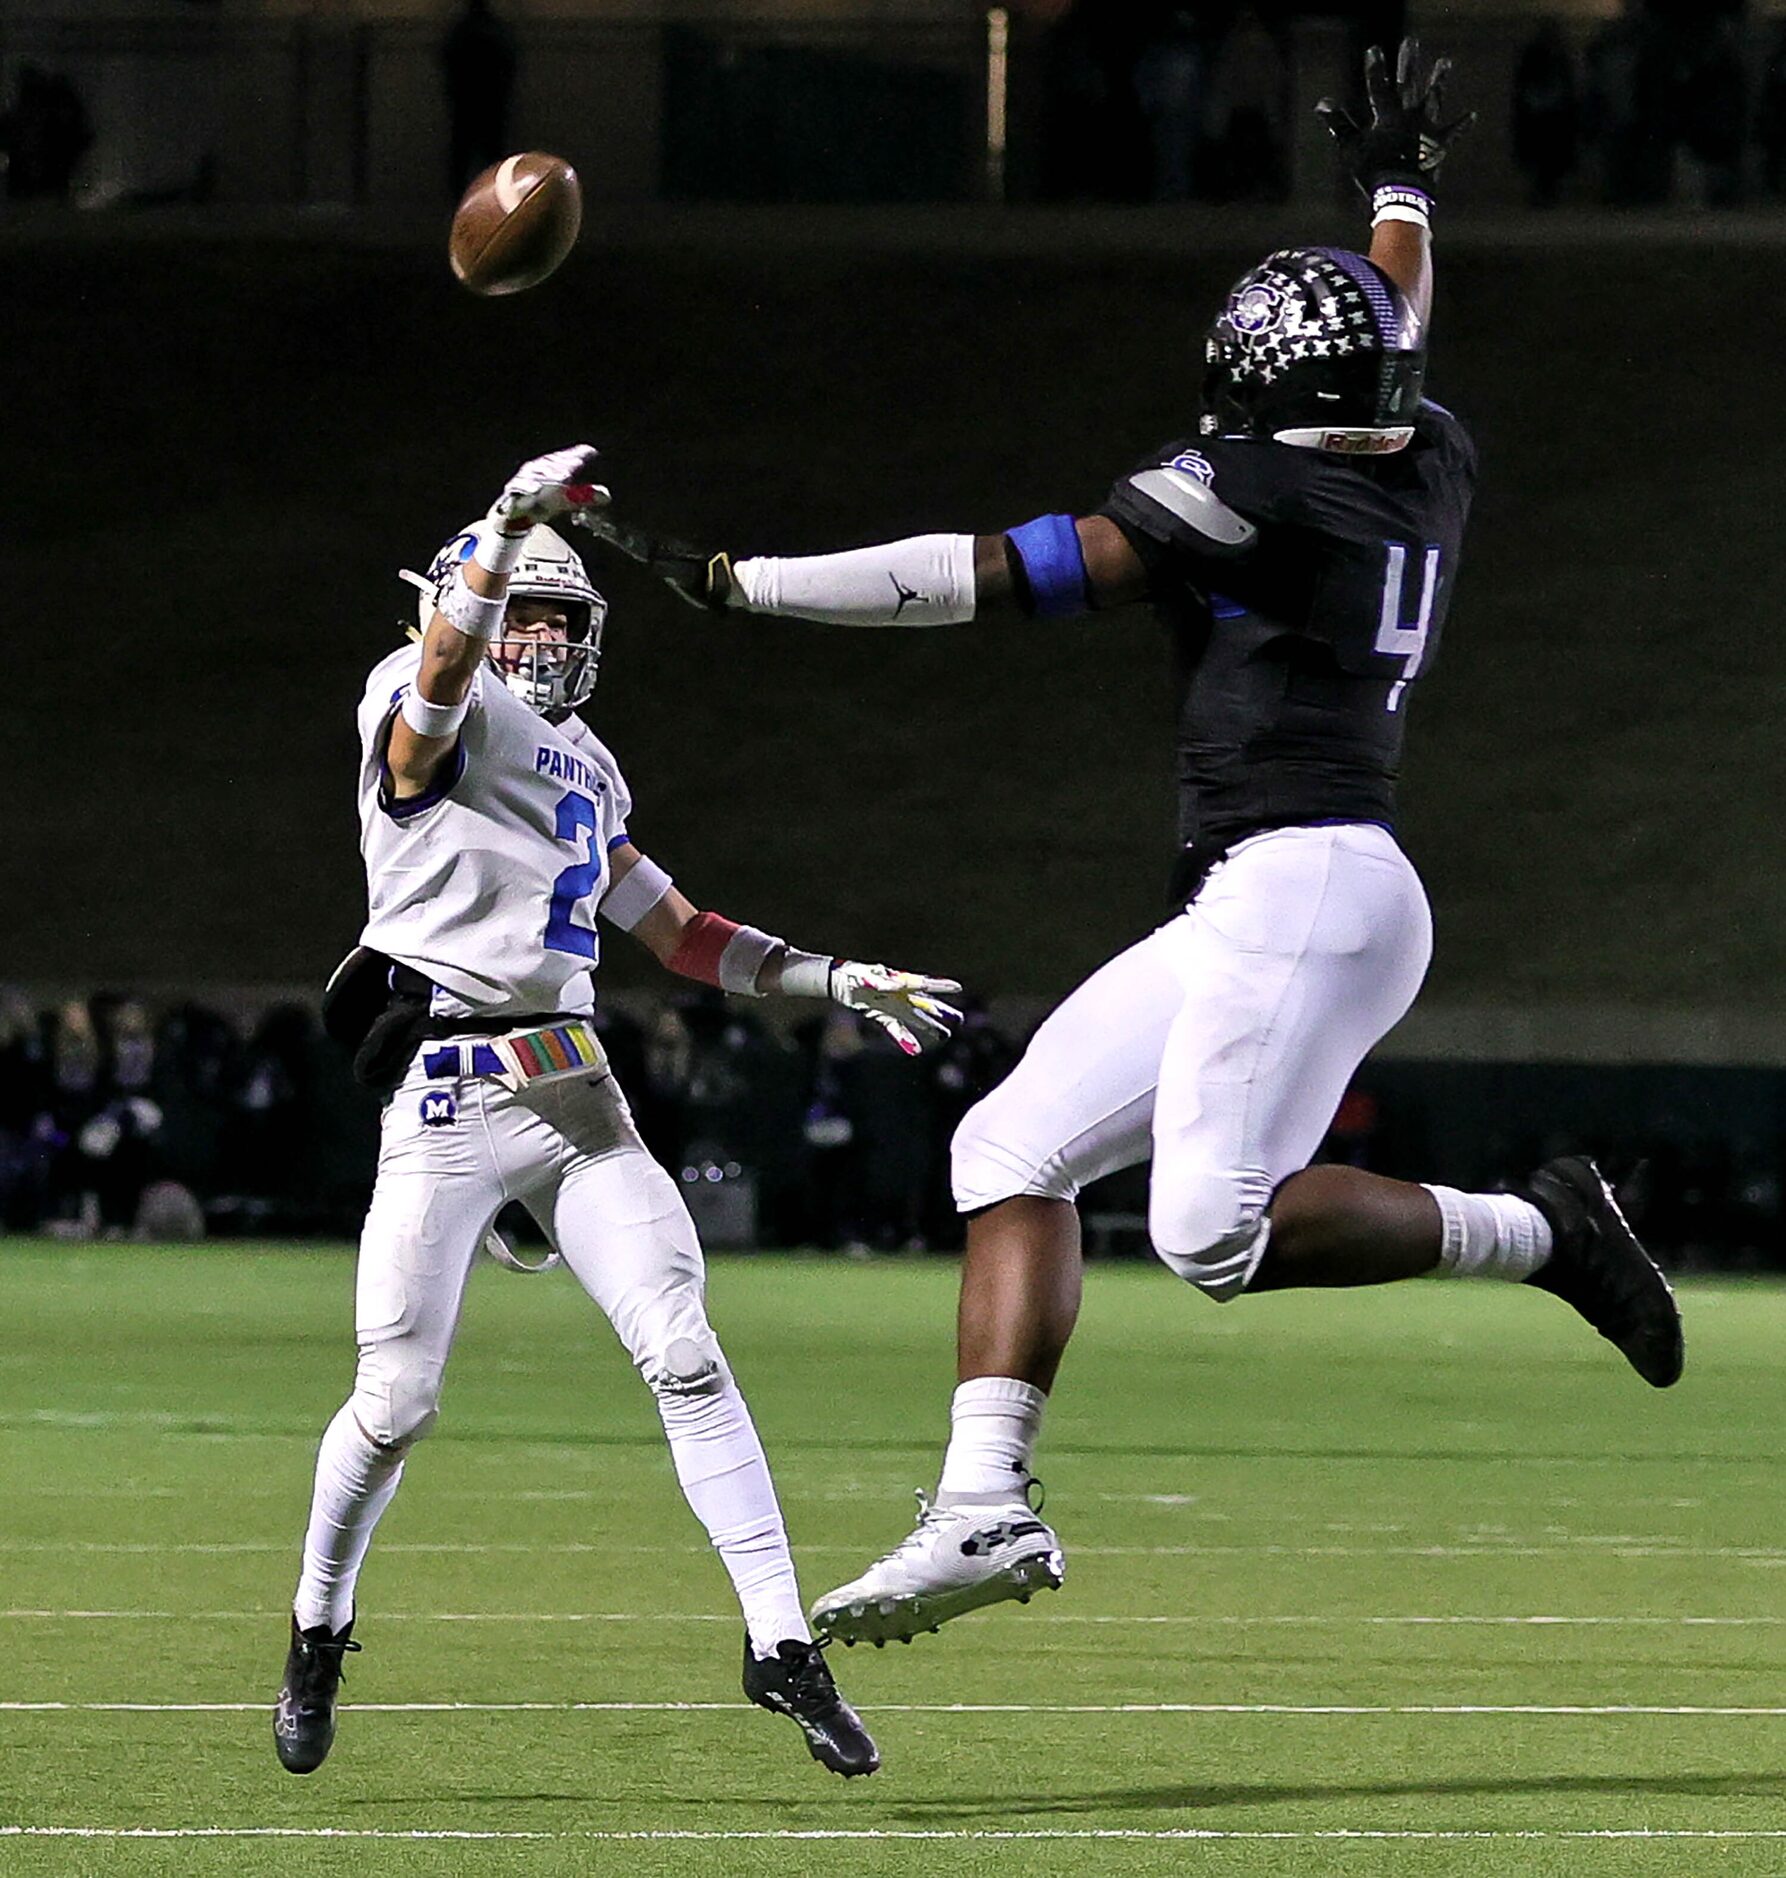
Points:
1598	1265
796	1681
304	1715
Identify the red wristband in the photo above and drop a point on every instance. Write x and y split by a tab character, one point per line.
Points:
702	945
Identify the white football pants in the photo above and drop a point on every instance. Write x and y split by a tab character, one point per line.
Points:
568	1151
452	1153
1221	1044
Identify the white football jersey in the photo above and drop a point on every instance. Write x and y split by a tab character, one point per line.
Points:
488	884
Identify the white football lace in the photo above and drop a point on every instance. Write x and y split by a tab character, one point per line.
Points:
930	1516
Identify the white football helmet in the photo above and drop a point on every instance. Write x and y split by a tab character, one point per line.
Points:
548	676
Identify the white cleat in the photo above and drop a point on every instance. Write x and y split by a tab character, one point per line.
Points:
955	1560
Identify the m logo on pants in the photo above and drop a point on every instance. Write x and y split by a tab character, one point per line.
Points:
439	1110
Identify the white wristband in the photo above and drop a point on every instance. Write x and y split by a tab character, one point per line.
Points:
476	615
805	975
1401	202
497	553
742	960
926	580
427	719
635	893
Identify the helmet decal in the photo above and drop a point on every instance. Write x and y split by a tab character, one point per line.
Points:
1258	307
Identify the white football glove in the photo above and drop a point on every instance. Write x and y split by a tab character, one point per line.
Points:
549	488
906	1005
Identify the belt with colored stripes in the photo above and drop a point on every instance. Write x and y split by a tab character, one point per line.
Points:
526	1056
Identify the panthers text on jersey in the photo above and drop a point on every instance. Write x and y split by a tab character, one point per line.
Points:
1295	656
487	884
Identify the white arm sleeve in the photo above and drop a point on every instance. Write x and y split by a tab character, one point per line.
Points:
927	580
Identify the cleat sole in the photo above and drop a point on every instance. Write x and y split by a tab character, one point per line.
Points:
902	1619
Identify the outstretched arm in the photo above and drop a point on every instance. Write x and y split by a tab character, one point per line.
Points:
468	613
1395	161
1052	567
713	950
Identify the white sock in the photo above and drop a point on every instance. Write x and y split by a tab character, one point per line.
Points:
725	1477
1490	1235
355	1479
993	1425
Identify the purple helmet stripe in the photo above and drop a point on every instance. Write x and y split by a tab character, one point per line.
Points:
1385	306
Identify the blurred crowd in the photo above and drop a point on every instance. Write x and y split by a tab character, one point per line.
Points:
1167	102
120	1121
1661	90
1665	100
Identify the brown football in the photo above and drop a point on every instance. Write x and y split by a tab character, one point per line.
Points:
516	223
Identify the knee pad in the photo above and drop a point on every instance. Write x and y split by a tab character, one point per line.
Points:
1209	1230
688	1366
989	1162
395	1403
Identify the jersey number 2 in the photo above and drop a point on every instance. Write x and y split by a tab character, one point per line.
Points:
576	821
1396	636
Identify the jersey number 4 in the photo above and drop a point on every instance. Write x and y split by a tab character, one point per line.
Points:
577	821
1398	636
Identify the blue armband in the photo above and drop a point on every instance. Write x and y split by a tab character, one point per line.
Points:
1053	563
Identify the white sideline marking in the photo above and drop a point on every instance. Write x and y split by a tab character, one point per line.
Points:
871	1832
913	1708
1260	1621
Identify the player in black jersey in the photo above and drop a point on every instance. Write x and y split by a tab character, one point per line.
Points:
1302	549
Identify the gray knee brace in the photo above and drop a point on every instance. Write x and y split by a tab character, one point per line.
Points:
688	1366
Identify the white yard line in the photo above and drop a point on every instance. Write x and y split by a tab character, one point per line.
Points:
646	1835
1202	1621
576	1548
919	1708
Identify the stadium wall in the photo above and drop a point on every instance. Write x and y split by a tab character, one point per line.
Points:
223	447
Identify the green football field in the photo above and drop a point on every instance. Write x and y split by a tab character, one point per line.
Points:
1410	1582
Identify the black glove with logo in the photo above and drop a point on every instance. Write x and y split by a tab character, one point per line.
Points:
700	578
1407	137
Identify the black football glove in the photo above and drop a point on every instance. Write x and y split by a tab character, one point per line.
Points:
700	578
1407	137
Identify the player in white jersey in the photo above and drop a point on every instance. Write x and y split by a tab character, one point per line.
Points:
494	826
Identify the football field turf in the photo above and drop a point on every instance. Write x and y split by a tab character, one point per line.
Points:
1419	1581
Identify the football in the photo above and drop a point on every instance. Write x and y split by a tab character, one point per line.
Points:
516	223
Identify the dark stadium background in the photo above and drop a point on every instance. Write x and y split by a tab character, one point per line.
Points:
228	425
1409	1581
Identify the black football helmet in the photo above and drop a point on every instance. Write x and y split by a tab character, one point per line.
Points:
1317	347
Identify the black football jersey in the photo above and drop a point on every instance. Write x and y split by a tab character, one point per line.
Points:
1297	653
